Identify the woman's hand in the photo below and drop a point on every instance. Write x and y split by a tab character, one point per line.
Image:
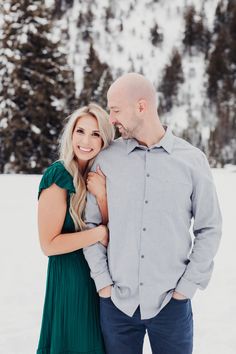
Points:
96	184
104	235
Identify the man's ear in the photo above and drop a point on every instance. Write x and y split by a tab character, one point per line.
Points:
142	106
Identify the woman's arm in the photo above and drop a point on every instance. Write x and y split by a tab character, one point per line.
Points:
96	184
51	215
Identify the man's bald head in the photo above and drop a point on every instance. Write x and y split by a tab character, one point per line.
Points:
132	104
134	87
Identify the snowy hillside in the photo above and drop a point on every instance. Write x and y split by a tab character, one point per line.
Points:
61	55
122	36
23	272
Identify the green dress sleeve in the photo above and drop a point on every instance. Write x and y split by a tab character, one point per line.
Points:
56	173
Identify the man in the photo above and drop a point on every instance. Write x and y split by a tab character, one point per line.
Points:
156	183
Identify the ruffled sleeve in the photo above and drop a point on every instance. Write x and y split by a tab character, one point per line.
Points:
56	173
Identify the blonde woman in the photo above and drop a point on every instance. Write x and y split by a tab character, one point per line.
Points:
70	321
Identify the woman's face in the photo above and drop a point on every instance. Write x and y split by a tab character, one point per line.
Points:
86	139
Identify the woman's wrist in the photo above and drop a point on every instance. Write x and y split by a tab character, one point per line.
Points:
100	232
101	197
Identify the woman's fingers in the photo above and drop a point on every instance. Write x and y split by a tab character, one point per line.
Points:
91	174
95	177
99	171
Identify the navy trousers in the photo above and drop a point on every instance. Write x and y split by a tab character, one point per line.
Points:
170	332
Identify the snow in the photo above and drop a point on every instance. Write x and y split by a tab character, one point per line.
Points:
23	272
131	49
3	122
22	264
120	48
35	129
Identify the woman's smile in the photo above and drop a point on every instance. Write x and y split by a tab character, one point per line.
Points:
86	150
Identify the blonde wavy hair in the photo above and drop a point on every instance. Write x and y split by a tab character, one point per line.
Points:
66	154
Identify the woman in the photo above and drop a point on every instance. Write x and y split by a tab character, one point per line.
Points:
71	310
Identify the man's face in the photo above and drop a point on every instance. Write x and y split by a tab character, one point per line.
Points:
123	115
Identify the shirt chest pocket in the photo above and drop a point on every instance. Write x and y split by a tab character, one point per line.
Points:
171	196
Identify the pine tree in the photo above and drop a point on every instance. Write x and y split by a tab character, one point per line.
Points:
222	83
97	80
85	24
232	35
37	90
60	6
217	69
172	77
156	35
189	34
203	35
220	17
196	34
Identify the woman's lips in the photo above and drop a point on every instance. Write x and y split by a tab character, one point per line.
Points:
84	149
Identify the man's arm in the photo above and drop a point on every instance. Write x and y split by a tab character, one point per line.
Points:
207	231
96	255
96	185
103	207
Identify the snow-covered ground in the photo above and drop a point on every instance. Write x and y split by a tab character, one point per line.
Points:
23	272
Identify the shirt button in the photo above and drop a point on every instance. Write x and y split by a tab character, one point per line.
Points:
148	150
146	201
144	229
148	175
142	256
141	284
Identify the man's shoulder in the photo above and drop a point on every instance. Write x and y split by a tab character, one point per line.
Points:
183	146
118	145
107	156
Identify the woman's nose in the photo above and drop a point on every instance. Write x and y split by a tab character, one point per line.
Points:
86	140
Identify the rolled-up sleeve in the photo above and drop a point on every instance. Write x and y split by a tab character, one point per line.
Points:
96	255
207	230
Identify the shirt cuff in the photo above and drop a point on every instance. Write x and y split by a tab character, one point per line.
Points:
186	288
103	280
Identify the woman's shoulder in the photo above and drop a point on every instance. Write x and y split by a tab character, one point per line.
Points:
57	170
56	166
58	174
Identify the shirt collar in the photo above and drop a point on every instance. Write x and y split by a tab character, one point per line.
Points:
166	142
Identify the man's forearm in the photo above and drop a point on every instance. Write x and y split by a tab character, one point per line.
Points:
97	260
207	229
96	255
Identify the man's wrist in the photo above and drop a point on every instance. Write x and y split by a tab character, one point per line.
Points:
105	292
178	296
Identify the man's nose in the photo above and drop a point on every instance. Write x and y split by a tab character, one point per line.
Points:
112	120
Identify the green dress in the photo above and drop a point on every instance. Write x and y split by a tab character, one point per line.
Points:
70	323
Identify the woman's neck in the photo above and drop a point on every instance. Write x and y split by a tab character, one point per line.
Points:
82	166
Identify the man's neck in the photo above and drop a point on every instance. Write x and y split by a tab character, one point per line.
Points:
151	135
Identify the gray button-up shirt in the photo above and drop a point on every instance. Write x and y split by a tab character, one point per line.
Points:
153	194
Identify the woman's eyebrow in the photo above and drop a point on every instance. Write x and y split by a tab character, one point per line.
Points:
93	131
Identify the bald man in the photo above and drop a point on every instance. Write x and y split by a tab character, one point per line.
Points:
156	184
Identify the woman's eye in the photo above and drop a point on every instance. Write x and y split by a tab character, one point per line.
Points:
79	131
96	134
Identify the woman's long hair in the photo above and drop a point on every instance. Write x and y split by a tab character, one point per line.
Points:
78	200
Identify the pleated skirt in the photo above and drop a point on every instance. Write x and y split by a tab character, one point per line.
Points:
70	323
